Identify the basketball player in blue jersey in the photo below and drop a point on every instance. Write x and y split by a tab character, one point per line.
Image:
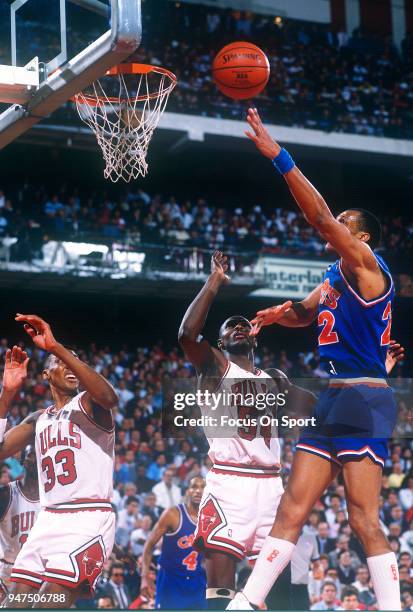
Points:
181	580
355	415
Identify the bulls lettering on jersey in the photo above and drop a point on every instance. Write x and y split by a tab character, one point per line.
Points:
74	455
251	444
17	522
354	333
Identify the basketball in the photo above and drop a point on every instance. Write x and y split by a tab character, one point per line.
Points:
241	70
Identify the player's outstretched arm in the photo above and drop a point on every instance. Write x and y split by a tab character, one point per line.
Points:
289	314
355	252
168	521
200	353
98	388
15	372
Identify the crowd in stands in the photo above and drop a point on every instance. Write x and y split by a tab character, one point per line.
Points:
152	472
35	216
320	79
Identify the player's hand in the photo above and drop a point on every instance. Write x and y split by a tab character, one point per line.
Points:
15	369
269	316
219	266
260	135
147	588
395	353
39	331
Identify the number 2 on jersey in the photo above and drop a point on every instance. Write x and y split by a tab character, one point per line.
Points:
327	335
387	316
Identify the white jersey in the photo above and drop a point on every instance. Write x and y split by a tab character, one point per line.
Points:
252	443
74	456
16	523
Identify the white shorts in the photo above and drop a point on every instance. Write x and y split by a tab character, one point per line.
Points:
237	512
66	547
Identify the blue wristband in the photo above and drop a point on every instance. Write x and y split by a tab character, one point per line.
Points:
283	162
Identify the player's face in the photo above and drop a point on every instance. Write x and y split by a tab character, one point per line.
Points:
59	376
195	490
29	461
235	336
350	219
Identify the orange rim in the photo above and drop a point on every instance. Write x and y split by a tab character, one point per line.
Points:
131	68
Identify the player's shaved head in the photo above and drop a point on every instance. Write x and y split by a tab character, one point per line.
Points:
364	223
232	322
235	336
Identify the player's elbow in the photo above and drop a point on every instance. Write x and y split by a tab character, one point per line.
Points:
109	400
185	335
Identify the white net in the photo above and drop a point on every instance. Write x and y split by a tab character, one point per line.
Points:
123	111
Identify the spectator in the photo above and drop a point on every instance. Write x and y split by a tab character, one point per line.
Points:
167	493
328	598
115	588
350	599
106	603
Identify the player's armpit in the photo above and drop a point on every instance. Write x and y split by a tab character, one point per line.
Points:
101	416
18	437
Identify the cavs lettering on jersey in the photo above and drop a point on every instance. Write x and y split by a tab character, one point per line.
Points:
354	333
251	447
16	523
74	456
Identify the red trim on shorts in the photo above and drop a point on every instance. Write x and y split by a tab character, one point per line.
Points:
366	451
63	507
25	577
317	451
36	585
223	549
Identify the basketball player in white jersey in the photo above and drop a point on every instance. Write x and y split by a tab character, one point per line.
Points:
19	507
74	439
243	487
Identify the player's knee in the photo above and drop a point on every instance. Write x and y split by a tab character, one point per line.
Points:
363	523
290	514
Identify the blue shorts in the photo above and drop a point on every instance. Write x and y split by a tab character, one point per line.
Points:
352	421
180	592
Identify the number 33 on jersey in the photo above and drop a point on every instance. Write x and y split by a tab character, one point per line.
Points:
353	333
70	446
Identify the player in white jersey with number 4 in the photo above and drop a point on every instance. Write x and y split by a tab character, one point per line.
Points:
243	487
74	439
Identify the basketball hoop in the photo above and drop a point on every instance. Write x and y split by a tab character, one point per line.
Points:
123	109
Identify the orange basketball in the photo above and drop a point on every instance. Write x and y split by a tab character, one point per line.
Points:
241	70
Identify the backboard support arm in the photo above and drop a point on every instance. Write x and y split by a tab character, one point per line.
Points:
110	49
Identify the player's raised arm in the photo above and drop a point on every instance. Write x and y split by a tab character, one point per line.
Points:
355	252
15	372
97	387
168	521
201	354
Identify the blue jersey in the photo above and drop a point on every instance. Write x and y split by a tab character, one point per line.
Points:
181	580
354	333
